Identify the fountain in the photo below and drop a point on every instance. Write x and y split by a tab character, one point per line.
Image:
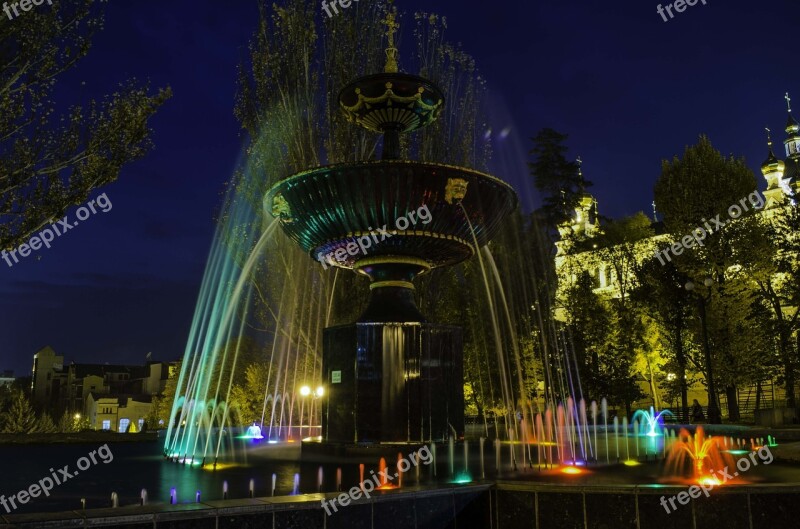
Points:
392	376
698	454
652	420
253	432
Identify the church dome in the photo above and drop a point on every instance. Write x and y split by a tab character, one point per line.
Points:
792	127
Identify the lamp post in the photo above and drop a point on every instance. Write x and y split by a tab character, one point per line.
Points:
714	416
305	391
318	393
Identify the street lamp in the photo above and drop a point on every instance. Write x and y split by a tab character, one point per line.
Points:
714	416
305	391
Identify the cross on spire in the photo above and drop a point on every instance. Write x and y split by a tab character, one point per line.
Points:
655	216
788	101
769	136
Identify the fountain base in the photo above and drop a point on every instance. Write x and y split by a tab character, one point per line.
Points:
392	383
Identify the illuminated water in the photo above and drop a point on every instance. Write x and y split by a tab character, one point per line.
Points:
138	466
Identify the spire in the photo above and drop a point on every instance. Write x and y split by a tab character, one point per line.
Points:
792	127
579	163
771	164
655	215
771	157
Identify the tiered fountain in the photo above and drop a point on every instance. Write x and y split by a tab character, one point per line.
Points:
392	376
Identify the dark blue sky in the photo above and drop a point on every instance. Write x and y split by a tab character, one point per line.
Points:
627	87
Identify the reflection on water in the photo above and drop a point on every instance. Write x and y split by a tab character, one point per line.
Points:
138	466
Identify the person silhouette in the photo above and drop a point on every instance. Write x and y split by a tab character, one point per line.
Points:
697	412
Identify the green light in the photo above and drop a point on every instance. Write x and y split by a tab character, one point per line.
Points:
463	477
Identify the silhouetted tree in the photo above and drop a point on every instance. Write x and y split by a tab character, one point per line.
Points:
557	179
51	157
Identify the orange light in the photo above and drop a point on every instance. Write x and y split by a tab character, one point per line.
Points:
571	470
709	482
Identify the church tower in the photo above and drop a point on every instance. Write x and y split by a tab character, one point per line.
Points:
584	224
792	143
773	170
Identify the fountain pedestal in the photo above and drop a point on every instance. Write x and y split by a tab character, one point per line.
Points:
392	383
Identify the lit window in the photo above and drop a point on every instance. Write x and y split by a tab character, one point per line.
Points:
106	425
123	425
141	423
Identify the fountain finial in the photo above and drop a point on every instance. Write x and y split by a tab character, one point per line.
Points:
391	52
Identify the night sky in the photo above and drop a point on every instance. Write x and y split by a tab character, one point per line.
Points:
628	88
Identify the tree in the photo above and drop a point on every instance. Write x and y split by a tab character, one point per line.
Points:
769	260
45	424
619	246
558	180
660	290
19	417
588	322
690	192
67	423
51	160
161	406
249	397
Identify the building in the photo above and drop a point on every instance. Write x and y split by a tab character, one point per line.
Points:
124	413
46	384
89	389
577	255
7	378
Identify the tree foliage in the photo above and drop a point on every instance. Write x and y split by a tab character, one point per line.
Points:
51	156
19	417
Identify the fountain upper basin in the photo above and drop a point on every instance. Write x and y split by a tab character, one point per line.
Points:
326	208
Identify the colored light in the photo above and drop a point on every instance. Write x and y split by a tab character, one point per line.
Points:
571	470
305	391
463	477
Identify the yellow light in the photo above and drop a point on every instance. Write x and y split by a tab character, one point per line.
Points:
305	391
571	470
77	416
320	391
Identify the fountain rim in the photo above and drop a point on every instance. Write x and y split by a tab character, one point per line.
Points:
474	172
388	75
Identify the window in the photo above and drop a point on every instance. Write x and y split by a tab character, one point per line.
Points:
123	425
141	423
106	425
